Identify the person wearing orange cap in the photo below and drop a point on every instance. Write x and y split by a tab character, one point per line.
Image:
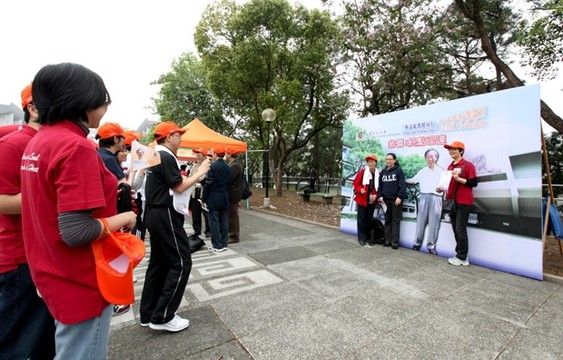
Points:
365	189
235	193
130	136
216	198
392	191
77	192
170	260
464	179
136	177
111	139
195	201
28	329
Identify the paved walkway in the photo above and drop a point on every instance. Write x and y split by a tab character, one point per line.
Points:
295	290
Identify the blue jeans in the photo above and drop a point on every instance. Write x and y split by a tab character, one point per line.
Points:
84	340
27	328
219	224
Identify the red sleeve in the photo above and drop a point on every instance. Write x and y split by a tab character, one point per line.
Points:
10	181
357	184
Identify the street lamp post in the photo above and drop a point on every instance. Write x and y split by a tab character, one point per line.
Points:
268	116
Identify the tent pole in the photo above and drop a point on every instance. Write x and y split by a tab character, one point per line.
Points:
247	201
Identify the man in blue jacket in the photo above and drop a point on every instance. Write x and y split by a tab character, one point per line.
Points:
216	198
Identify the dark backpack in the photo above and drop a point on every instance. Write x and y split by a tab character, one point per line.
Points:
246	193
124	199
377	232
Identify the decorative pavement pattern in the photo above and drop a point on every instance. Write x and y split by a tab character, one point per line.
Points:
213	275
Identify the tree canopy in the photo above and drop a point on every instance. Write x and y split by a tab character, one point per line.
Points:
268	54
315	69
542	38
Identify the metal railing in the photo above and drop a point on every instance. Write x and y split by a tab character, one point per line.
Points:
296	183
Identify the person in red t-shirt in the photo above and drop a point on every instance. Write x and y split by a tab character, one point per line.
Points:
464	179
28	329
62	218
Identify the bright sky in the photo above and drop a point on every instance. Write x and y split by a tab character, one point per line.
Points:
128	43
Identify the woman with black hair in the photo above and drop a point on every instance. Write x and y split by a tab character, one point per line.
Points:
464	179
392	192
66	190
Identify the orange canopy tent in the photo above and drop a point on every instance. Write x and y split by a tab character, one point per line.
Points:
198	135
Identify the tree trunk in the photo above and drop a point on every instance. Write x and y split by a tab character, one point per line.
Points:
474	15
279	175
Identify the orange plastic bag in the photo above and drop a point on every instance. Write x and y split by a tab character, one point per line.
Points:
116	255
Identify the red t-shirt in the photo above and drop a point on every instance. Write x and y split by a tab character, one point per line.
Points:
12	252
464	193
62	172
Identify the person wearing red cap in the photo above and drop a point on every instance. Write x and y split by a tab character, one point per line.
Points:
235	193
111	139
365	189
28	329
62	220
170	260
216	198
195	201
464	179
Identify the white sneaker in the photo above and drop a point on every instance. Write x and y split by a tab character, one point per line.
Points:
174	325
221	250
455	261
210	248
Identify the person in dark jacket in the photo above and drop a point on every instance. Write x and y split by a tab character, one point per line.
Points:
216	199
235	193
392	192
365	189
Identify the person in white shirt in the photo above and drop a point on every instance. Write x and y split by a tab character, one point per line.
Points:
430	202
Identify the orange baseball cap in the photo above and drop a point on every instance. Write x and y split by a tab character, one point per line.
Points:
109	130
233	150
200	151
219	151
455	145
166	128
371	157
26	96
116	255
131	135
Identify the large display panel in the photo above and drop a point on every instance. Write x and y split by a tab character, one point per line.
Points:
502	137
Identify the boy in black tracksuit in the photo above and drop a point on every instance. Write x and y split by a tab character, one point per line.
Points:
170	260
393	191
